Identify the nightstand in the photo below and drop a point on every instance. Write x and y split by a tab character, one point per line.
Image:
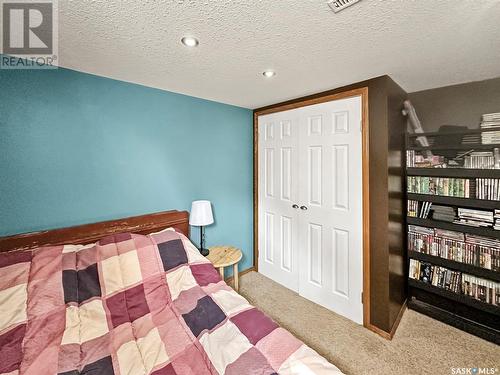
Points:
224	256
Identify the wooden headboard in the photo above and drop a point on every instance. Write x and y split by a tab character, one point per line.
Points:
87	233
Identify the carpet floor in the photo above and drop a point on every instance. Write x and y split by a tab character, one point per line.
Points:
421	345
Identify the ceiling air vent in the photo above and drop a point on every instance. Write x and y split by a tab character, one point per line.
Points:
338	5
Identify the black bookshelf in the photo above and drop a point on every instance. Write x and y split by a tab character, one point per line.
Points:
459	310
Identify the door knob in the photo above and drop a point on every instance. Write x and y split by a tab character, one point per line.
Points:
303	208
295	206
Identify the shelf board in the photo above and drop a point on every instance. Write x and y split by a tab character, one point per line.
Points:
469	146
453	172
455	320
455	132
492	309
458	266
454	201
486	232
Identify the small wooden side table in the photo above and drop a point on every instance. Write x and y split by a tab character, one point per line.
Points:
224	256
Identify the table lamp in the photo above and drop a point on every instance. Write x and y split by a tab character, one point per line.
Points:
200	216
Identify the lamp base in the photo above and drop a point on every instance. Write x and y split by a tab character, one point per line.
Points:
204	252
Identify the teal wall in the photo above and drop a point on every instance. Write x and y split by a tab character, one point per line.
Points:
76	148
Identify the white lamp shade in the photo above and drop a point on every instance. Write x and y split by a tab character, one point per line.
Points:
201	214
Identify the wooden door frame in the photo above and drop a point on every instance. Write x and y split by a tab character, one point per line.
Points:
363	93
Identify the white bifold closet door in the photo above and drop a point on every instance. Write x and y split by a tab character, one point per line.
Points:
278	192
310	203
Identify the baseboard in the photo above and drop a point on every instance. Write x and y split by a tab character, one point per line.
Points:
398	318
389	335
240	273
378	331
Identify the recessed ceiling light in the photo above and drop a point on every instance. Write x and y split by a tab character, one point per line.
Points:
190	41
269	73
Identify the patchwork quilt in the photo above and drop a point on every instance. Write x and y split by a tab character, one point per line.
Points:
132	304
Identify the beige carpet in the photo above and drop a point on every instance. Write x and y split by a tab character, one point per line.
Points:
421	345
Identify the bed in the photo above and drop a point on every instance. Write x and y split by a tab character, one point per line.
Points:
132	296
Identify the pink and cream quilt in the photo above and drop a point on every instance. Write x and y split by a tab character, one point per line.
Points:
132	304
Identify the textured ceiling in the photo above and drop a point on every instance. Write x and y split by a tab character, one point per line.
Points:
421	44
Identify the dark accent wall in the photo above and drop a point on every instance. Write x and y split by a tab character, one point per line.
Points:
457	105
387	234
396	161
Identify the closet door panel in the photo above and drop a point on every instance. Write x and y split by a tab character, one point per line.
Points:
340	180
340	262
331	221
315	253
278	224
315	175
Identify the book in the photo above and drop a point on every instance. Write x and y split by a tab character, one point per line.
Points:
475	250
488	188
445	186
490	121
480	160
484	290
418	209
425	272
470	159
419	161
443	213
474	217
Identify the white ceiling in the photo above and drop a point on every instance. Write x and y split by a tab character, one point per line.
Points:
421	44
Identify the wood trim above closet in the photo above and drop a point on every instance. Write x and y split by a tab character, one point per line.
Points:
307	101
